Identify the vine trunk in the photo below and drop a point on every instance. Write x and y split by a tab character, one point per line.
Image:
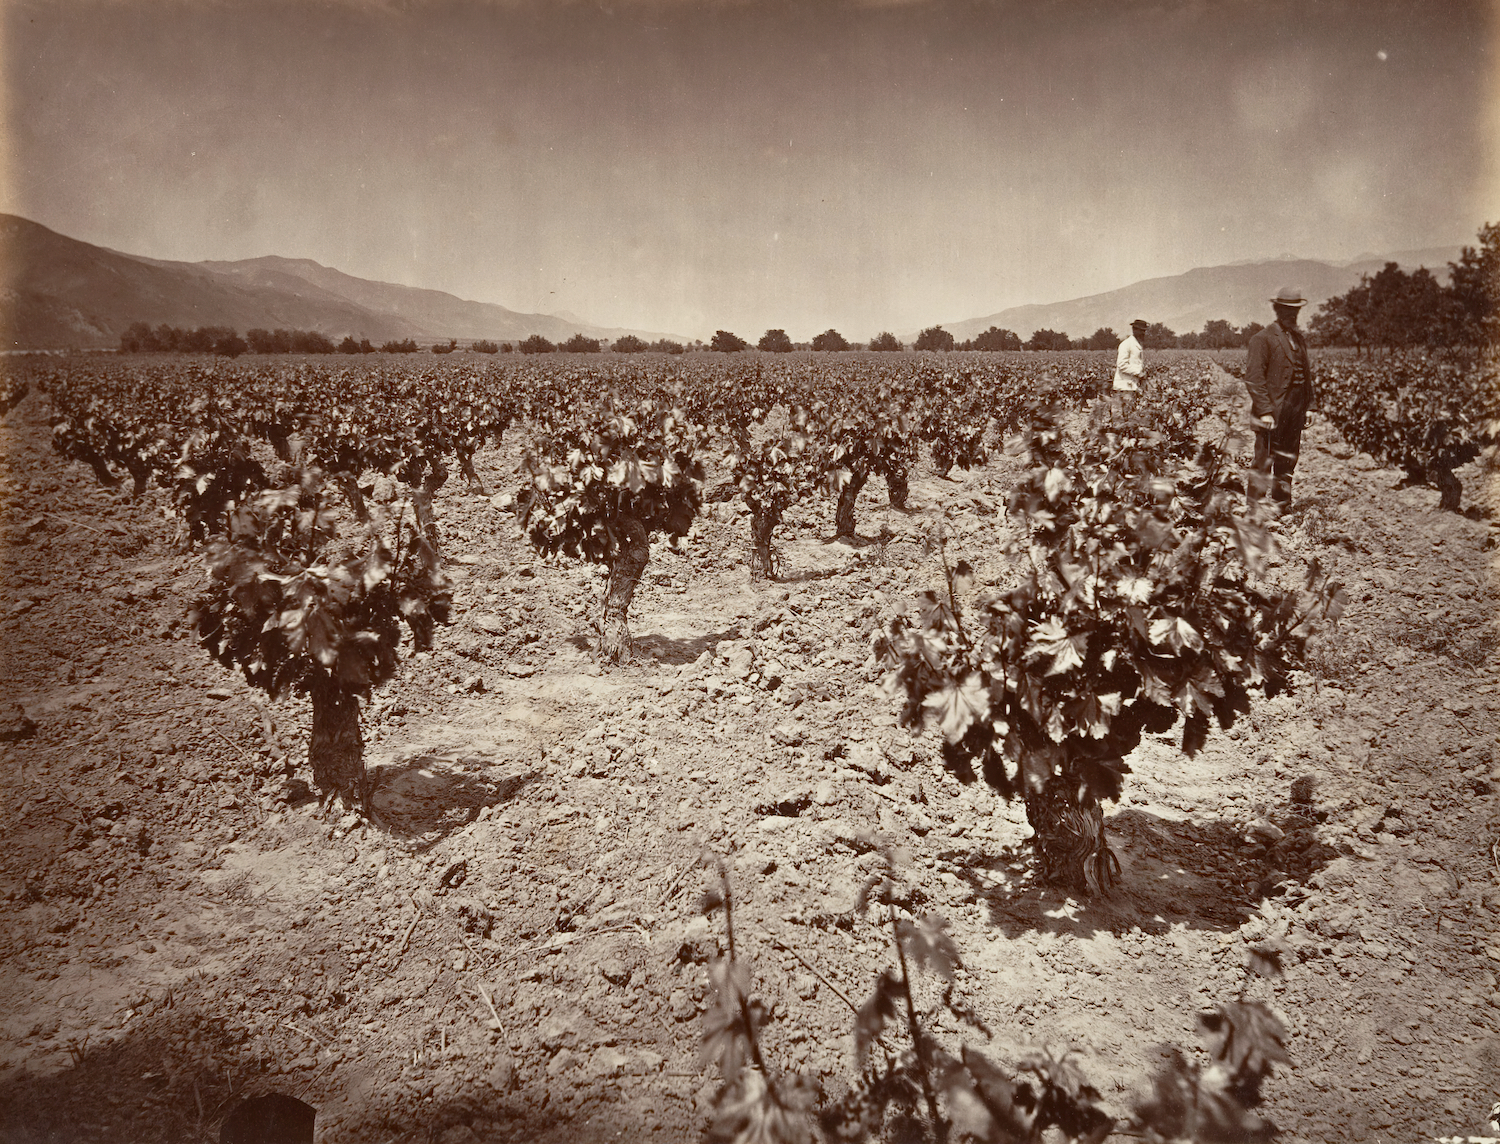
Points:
336	749
624	574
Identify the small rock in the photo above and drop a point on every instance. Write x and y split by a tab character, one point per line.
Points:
681	1006
607	1061
1266	831
754	863
501	1074
741	663
554	1031
824	793
562	1059
219	693
472	683
615	971
649	1062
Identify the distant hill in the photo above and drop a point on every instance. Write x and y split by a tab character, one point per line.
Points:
1185	302
57	292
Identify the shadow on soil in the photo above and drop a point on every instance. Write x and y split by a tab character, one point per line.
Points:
169	1082
1198	875
426	797
665	649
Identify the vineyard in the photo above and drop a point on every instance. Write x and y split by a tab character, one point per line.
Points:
787	747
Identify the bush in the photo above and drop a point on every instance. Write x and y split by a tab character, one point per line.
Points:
726	343
830	340
629	344
775	342
405	347
484	348
536	344
578	344
885	342
667	347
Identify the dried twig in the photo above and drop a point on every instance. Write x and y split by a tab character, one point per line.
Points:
314	1039
235	746
781	945
405	941
499	1024
672	885
77	523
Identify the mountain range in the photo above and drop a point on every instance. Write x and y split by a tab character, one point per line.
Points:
1238	293
58	292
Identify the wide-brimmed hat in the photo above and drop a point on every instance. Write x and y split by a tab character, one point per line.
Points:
1140	324
1289	296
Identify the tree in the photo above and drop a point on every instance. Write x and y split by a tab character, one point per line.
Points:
408	346
774	342
1102	339
439	348
230	344
139	338
664	346
933	338
885	342
628	344
484	348
1045	339
726	343
1158	337
311	342
1473	293
830	340
348	345
578	344
994	340
536	344
1218	335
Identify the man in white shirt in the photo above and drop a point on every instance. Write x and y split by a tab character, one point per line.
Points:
1130	363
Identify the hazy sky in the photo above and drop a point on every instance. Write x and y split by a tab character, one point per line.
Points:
684	166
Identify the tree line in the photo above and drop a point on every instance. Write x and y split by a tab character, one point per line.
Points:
141	337
1217	334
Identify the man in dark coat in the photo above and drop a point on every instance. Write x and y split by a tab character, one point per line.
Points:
1278	377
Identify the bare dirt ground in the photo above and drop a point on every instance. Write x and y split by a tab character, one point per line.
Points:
515	955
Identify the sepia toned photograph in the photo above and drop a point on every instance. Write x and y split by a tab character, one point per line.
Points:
749	571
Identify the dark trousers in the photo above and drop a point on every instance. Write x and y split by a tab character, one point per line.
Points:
1277	450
